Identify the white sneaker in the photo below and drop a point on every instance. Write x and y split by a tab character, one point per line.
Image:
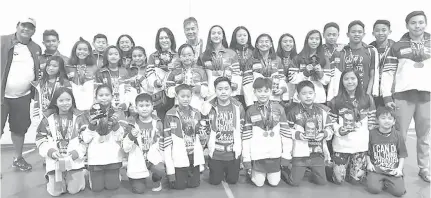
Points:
157	189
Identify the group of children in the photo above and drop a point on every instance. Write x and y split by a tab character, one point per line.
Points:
278	113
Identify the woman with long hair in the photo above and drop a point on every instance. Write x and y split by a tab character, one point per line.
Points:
312	64
286	50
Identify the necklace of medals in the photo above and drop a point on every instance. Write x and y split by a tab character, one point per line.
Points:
63	134
82	70
328	52
48	93
242	57
267	120
187	126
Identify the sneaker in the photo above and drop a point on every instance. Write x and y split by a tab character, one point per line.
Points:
21	164
157	189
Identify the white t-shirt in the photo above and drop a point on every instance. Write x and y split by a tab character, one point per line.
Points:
21	72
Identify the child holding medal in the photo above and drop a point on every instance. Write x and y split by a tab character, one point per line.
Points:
58	141
103	138
265	124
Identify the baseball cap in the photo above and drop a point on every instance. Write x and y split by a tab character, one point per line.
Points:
28	20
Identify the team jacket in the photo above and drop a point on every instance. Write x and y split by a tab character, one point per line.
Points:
104	152
244	54
223	63
256	68
174	146
342	60
297	117
47	137
364	120
297	74
382	59
210	108
257	143
401	76
138	154
194	76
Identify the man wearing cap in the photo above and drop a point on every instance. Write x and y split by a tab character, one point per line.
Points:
19	66
406	85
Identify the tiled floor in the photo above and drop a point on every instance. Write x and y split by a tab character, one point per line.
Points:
32	184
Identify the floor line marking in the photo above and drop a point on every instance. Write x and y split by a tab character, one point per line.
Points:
227	190
28	152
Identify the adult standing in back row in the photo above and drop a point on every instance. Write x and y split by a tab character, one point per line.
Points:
19	66
406	85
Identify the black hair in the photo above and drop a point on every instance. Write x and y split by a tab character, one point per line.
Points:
171	37
100	36
383	110
355	22
50	33
101	87
129	37
222	79
105	56
144	97
256	52
305	83
74	60
383	22
180	50
331	24
234	43
182	87
280	50
62	74
262	82
57	93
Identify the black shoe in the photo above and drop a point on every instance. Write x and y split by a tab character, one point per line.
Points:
21	164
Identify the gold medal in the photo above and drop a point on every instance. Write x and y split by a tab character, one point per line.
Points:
265	134
272	134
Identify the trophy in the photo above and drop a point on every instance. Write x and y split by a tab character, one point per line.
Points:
275	83
310	128
418	54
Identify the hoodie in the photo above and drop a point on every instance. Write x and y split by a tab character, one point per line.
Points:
145	147
402	79
48	134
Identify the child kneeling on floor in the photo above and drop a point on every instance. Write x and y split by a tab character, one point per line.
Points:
104	137
266	142
142	143
183	140
312	128
58	141
386	154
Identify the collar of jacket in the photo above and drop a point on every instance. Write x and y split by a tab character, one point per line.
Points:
214	102
95	52
364	45
75	112
56	53
406	37
174	111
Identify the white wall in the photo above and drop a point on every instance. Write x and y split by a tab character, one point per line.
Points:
141	19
